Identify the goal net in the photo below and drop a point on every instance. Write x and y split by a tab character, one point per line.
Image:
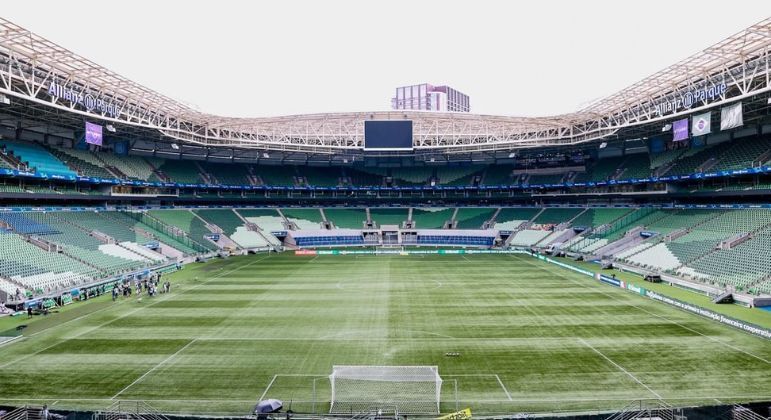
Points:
406	389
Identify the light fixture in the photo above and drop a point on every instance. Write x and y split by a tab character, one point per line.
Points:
512	155
266	155
110	128
5	100
175	146
666	127
603	145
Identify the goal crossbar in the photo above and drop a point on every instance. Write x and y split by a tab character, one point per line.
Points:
411	389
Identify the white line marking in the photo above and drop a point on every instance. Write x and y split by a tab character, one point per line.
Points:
504	387
154	368
162	299
559	273
620	368
262	397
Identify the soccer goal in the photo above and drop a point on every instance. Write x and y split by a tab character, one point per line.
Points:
407	389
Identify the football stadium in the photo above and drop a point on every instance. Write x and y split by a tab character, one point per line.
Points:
159	262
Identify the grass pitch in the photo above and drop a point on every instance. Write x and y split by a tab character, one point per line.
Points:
532	338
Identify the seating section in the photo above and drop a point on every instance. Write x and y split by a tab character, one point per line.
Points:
37	269
595	217
134	167
37	158
234	227
346	218
743	153
512	218
636	166
458	175
186	220
227	173
383	216
322	177
283	176
182	171
83	162
266	219
304	218
455	240
694	158
528	237
431	218
537	179
330	240
412	176
473	217
151	227
554	216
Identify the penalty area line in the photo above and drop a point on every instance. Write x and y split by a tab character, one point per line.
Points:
504	387
154	368
620	368
270	384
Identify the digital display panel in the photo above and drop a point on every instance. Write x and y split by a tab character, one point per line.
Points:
388	135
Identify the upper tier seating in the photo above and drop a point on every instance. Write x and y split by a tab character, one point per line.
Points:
538	179
82	161
134	167
183	171
227	173
595	217
37	158
458	175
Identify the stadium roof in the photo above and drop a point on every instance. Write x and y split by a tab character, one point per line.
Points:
35	69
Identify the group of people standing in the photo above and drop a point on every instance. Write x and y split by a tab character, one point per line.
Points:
151	285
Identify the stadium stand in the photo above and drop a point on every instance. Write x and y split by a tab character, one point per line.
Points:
473	217
83	162
458	175
183	171
37	158
431	218
234	227
227	173
512	218
186	220
346	218
554	216
303	218
385	216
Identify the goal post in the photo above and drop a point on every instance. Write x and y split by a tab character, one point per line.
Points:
407	389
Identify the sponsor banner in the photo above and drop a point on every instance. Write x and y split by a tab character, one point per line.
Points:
750	328
701	124
304	252
680	130
731	117
636	289
609	280
458	415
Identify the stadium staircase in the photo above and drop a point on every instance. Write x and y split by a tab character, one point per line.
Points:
739	412
648	410
129	410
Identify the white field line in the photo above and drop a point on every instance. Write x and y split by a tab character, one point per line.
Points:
163	362
620	368
504	387
270	384
163	299
559	273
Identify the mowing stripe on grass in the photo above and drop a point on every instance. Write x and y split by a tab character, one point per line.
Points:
154	368
620	368
167	297
559	273
270	384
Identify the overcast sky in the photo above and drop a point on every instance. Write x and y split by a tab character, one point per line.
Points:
250	58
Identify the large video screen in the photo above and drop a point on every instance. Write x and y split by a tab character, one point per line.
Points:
388	135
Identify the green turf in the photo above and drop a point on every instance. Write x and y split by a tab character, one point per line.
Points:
532	338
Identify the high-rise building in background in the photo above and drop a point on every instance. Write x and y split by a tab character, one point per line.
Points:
427	97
